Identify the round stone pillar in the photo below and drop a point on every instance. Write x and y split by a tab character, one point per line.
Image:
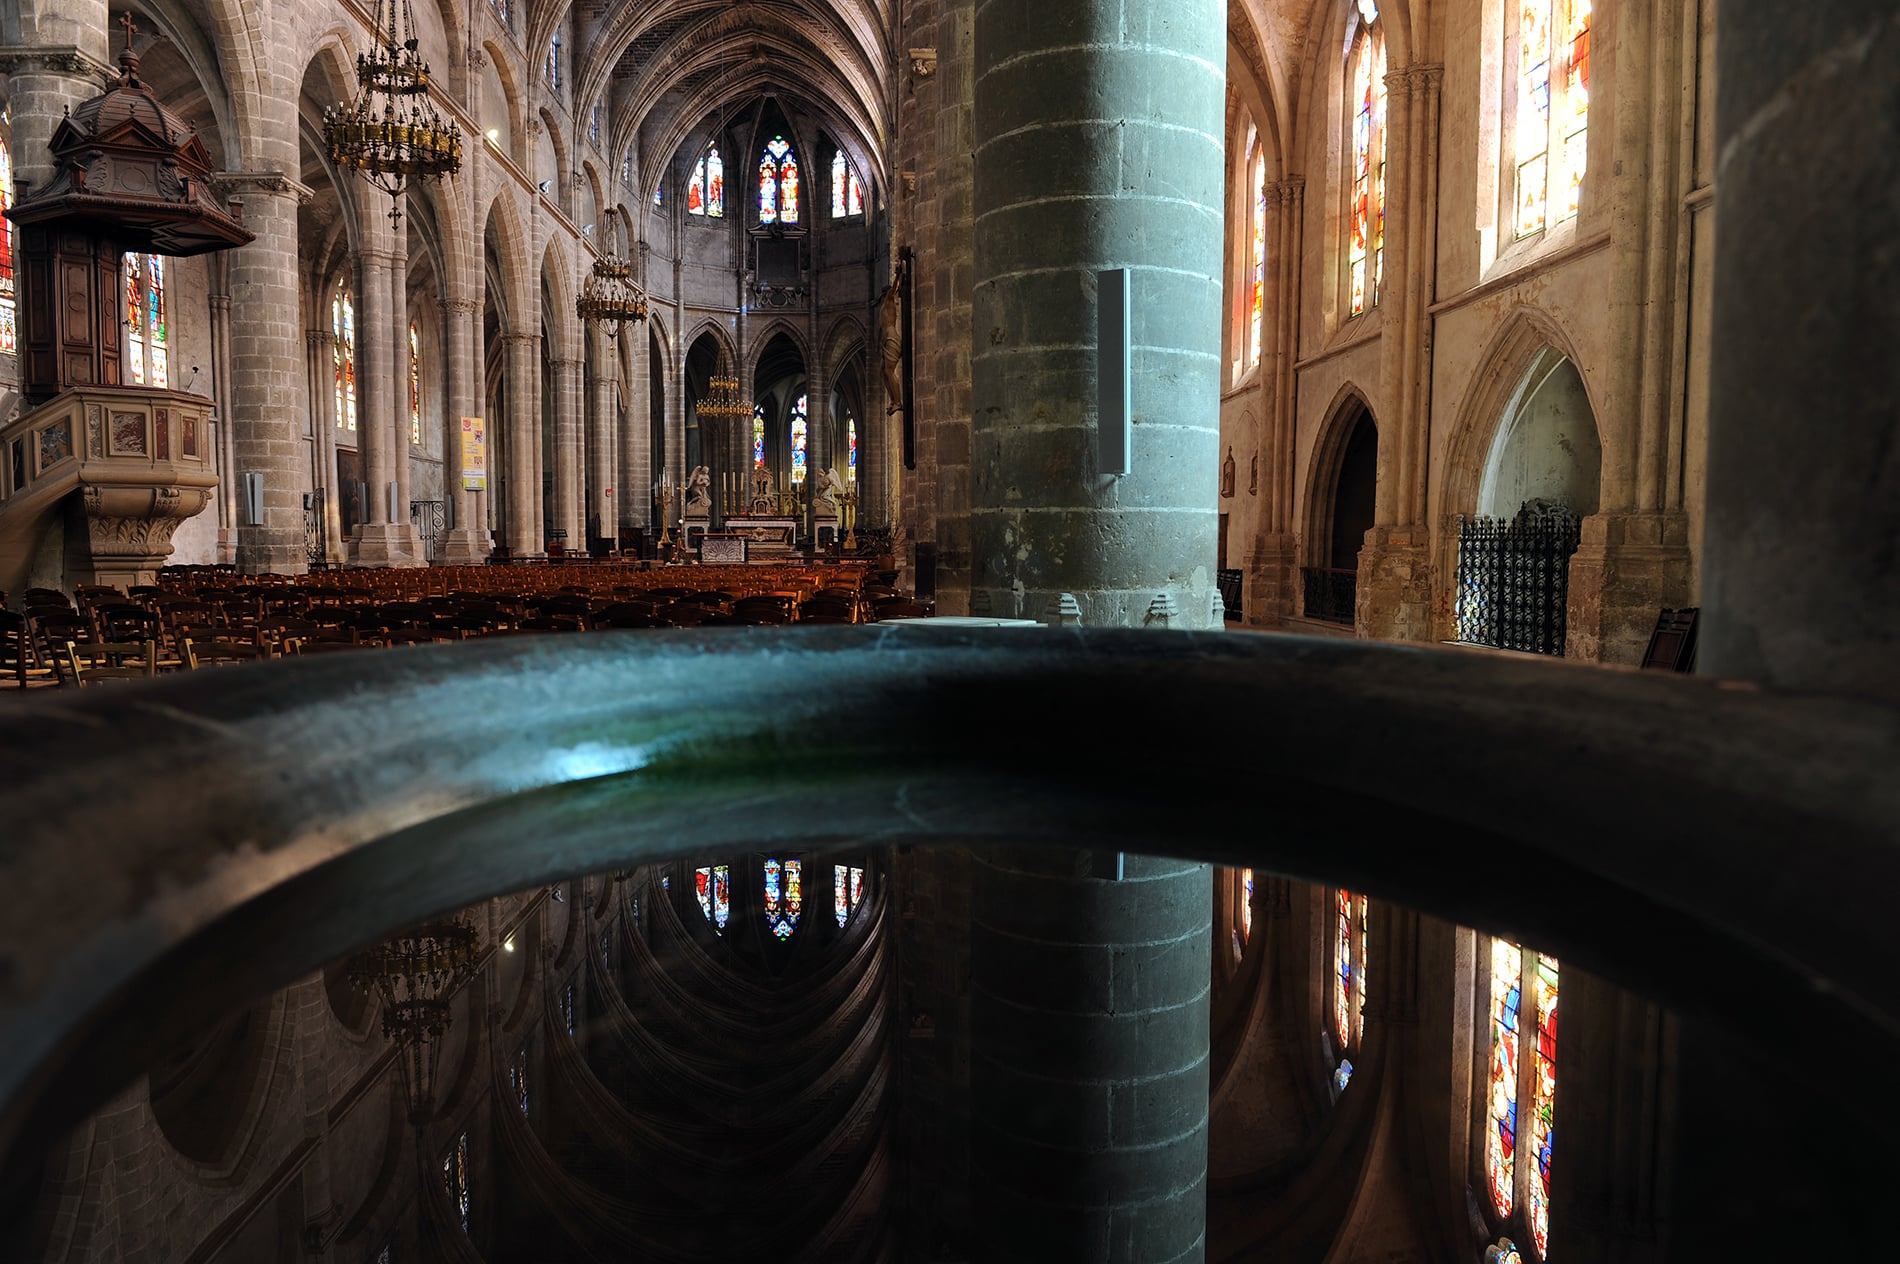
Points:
1801	578
1098	134
1089	1056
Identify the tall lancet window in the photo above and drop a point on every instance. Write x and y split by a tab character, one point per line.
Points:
778	183
800	434
713	885
1256	301
147	322
847	191
847	891
415	385
1520	1093
851	449
554	62
706	191
758	436
455	1180
1349	980
9	332
593	123
1552	104
343	357
1365	245
784	895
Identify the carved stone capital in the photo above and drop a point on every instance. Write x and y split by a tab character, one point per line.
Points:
238	184
477	58
65	59
923	62
910	182
318	338
1415	80
461	306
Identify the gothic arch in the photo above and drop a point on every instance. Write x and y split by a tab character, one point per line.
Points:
503	223
1344	415
557	191
557	278
762	338
502	63
842	339
709	325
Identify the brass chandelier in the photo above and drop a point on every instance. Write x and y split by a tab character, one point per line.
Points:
415	973
610	296
391	132
725	401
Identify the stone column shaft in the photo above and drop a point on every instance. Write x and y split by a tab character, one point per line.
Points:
570	438
607	490
267	381
524	441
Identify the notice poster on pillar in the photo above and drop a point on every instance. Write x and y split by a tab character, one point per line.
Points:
474	455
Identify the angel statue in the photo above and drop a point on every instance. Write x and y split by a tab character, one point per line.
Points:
699	492
824	490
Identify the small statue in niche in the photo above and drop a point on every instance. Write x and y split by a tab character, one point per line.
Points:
1253	474
1227	474
699	492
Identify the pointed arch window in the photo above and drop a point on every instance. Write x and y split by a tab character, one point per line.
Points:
147	321
455	1180
9	319
706	191
1552	105
415	385
1514	1064
343	356
850	449
784	895
847	892
712	884
799	433
778	183
847	191
758	436
1256	302
554	62
502	11
1349	955
593	123
1365	247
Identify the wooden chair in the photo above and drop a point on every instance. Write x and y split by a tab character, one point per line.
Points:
93	661
205	653
17	655
898	608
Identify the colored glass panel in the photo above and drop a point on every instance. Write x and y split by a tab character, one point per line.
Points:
771	890
415	385
841	894
1533	115
857	886
721	896
9	320
799	433
158	323
567	1007
1257	303
455	1179
134	321
518	1079
1366	230
778	183
758	436
847	192
501	11
1500	1134
554	62
593	124
706	192
1576	106
1543	1097
851	448
1342	1076
702	884
1342	969
343	354
1246	905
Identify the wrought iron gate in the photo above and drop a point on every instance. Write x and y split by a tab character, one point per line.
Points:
314	551
1514	578
430	519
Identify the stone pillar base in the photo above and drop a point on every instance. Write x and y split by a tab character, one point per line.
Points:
227	545
1627	568
1271	595
463	548
1394	598
385	544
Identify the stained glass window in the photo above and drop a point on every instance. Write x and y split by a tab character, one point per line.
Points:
778	183
606	948
518	1079
455	1179
1500	1134
1543	1097
343	354
851	449
567	1007
758	436
134	322
1257	302
1349	968
147	352
157	321
1343	1075
415	385
847	891
784	896
799	433
847	191
706	191
9	332
1551	135
554	62
1365	248
1576	113
1533	115
593	123
702	888
501	11
659	194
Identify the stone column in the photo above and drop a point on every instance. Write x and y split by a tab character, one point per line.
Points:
375	542
635	491
219	305
954	174
1089	996
467	543
1273	563
607	490
524	441
64	52
570	438
402	527
266	403
322	357
1801	580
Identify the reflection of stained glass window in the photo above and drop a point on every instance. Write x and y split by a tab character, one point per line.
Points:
758	436
343	354
1257	303
1349	968
1246	905
847	891
799	434
415	385
706	192
455	1179
784	896
1365	249
1500	1134
721	896
567	1007
518	1079
1543	1097
9	334
847	191
778	183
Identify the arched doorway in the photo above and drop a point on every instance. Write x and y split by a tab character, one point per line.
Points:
1541	479
783	440
1346	482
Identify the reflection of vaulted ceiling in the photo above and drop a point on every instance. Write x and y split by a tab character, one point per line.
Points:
664	67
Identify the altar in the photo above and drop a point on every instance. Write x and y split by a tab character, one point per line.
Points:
767	538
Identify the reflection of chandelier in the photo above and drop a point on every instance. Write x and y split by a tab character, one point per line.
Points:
610	296
391	133
415	973
724	400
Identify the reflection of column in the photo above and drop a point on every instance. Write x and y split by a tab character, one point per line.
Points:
523	352
467	543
